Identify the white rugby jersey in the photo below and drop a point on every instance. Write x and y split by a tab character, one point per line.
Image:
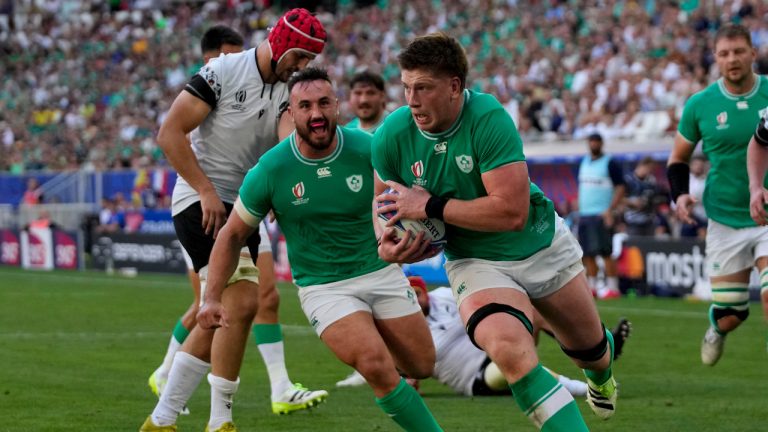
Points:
241	126
458	360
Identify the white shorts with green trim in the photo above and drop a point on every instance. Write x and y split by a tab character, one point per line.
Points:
539	275
731	250
384	293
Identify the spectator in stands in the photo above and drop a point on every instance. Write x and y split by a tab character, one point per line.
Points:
109	219
33	195
42	221
642	199
53	100
601	190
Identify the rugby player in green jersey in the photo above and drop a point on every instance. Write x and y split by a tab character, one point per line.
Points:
723	117
319	184
367	99
455	155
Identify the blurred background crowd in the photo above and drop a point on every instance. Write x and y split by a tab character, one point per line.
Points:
87	82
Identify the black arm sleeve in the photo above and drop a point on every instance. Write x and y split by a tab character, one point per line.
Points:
761	134
679	176
616	173
200	89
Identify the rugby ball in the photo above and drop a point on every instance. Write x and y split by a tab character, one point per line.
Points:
434	229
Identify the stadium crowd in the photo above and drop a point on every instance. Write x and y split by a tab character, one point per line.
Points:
88	82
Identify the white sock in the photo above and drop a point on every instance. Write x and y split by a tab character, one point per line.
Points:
173	348
222	391
612	283
273	355
592	280
183	378
574	387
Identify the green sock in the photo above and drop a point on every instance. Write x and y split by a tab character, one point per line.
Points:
408	409
600	377
267	333
180	332
547	403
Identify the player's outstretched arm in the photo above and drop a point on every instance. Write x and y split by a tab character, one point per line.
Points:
223	262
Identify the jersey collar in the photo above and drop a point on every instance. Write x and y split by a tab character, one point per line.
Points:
747	95
328	159
454	127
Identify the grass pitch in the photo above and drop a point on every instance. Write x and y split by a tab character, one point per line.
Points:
76	350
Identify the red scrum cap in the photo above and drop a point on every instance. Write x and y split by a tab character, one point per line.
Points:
417	281
296	30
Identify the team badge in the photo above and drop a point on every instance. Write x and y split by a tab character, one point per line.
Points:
355	182
465	163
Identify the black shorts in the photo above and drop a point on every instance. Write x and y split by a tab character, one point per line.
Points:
480	388
595	238
189	230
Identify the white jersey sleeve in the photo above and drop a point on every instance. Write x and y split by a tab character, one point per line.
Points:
458	360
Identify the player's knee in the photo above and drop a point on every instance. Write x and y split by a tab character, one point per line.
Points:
719	313
729	299
484	312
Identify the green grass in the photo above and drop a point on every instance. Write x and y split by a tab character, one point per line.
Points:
76	350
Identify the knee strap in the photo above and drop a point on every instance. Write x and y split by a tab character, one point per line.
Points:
715	313
590	354
490	309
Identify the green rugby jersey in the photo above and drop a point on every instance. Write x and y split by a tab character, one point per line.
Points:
355	124
724	123
323	207
450	163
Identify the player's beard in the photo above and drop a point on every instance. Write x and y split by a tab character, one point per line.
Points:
371	113
315	142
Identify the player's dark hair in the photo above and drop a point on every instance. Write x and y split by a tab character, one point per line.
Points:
219	35
369	78
307	75
733	31
595	137
437	53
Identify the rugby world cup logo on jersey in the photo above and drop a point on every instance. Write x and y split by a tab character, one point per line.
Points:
722	121
240	97
355	182
465	163
298	192
417	169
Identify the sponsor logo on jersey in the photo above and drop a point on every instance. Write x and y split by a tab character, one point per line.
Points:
323	172
417	168
742	105
298	192
314	322
722	121
465	163
240	96
441	147
261	112
355	182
